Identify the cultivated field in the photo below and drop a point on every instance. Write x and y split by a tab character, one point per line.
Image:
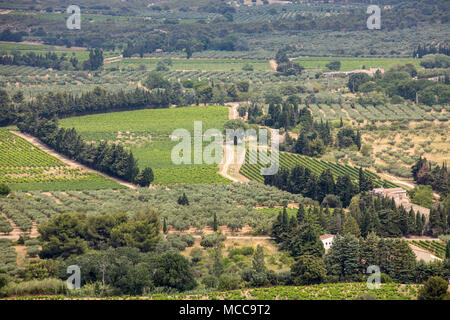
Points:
290	160
147	134
349	64
25	167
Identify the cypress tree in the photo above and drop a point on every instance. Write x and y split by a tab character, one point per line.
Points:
300	214
215	227
419	225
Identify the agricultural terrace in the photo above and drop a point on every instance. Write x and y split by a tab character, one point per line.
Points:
290	160
147	134
25	167
350	63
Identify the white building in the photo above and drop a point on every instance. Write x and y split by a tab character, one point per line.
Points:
327	240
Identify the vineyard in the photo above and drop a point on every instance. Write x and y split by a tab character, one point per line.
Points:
25	167
147	134
290	160
436	247
329	291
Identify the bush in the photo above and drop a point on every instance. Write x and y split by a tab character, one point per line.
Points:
209	281
308	270
229	282
4	190
434	288
36	287
332	201
212	240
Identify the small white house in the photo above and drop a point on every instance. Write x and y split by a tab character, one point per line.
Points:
327	240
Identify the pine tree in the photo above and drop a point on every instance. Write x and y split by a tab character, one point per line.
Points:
300	214
258	263
351	227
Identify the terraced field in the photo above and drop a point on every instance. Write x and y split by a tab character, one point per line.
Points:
290	160
25	167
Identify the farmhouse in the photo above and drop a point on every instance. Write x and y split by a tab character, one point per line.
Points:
327	240
401	199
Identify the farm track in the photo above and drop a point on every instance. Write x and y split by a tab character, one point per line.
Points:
71	163
225	168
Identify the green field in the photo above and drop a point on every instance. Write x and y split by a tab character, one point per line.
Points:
25	167
290	160
147	134
199	64
349	64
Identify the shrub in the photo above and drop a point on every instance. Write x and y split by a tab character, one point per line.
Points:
229	282
308	270
212	240
36	287
435	288
4	190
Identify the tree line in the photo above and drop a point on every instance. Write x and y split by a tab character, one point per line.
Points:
438	177
301	180
53	61
399	84
111	159
423	50
350	254
65	104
